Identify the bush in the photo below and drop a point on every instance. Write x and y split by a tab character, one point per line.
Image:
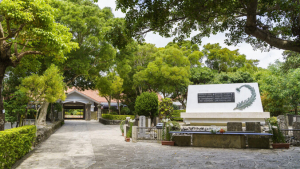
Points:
176	115
165	108
147	104
125	111
117	117
15	143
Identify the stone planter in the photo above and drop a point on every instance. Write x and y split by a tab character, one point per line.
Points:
168	143
127	139
281	145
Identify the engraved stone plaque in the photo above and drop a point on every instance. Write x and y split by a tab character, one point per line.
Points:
216	97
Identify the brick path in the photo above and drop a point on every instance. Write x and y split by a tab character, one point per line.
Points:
81	144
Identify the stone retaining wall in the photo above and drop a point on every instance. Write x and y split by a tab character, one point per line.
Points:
109	122
45	132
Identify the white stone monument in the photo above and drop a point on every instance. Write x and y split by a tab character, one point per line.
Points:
217	104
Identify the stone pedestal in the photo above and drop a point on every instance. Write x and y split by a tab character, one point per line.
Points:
253	126
296	125
134	134
234	126
259	142
219	141
182	140
88	112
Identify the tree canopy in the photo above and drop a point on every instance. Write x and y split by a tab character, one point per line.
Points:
263	24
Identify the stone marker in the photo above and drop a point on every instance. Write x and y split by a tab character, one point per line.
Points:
142	123
234	126
222	103
253	126
134	134
149	122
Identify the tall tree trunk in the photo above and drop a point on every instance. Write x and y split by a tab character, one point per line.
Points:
119	107
296	109
43	113
3	66
108	107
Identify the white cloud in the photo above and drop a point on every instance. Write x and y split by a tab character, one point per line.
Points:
265	57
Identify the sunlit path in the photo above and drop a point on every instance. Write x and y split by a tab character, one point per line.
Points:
81	144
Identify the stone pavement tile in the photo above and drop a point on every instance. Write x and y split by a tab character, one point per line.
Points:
93	145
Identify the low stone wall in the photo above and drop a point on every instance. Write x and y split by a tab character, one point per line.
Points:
45	132
109	122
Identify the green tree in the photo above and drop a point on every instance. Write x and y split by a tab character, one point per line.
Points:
292	87
189	50
110	87
292	60
147	105
232	77
170	70
165	108
89	25
117	90
225	60
201	75
16	107
131	59
263	24
42	90
273	93
29	28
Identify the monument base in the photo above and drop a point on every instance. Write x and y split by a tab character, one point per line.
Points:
221	118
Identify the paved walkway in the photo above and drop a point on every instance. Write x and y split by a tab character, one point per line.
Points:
81	144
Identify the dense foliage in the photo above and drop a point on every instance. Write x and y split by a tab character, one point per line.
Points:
15	143
147	105
165	108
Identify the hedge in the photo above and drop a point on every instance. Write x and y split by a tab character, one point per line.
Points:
176	115
15	143
117	117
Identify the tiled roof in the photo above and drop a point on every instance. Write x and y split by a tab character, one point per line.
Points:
94	94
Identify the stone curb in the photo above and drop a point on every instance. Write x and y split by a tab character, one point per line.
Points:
109	122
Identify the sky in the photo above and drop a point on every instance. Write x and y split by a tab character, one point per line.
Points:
265	58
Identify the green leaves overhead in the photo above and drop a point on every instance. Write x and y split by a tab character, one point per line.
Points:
31	24
264	24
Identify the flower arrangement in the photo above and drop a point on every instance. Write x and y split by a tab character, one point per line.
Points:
222	131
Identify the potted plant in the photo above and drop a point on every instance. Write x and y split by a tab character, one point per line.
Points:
129	132
122	127
277	137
